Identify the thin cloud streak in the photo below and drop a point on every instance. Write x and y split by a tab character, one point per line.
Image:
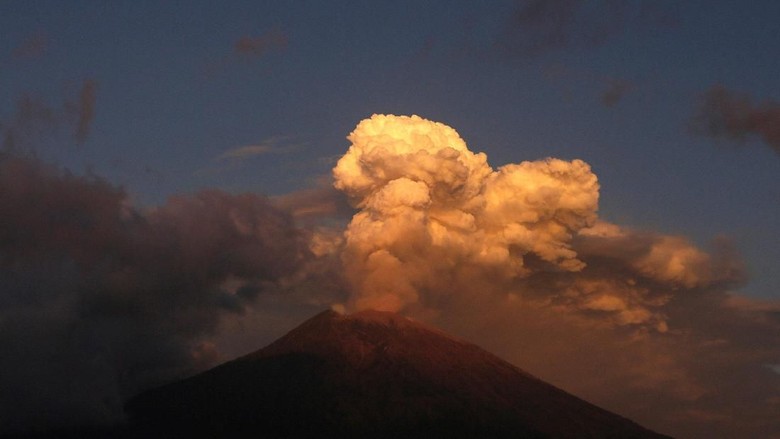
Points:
272	145
85	110
272	40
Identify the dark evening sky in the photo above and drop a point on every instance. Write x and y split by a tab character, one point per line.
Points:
674	105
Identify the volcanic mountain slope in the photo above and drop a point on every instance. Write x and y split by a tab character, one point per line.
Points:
371	374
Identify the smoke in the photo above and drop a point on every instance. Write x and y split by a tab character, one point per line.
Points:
434	217
732	116
515	258
99	300
430	206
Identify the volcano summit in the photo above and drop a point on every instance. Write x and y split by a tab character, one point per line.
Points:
371	374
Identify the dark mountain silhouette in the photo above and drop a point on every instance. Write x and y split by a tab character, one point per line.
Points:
370	374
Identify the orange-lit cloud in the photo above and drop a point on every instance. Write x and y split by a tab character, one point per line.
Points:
430	206
515	258
435	219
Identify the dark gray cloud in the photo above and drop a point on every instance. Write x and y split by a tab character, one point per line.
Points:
724	114
536	27
99	299
615	91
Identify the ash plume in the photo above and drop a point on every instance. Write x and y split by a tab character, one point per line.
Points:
517	258
429	205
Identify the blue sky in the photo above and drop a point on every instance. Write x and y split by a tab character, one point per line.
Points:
173	94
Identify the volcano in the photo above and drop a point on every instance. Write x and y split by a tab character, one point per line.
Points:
371	374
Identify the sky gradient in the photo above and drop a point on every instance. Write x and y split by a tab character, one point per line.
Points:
140	106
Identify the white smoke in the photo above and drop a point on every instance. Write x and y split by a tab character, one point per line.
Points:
431	209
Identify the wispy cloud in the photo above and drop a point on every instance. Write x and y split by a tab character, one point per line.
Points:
249	49
35	119
32	47
615	91
536	27
724	114
85	109
273	39
272	145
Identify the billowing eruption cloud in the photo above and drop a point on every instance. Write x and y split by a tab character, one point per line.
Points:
434	216
516	259
430	206
99	299
733	116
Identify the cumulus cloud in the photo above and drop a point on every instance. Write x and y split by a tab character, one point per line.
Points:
516	259
99	299
433	215
733	116
428	204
